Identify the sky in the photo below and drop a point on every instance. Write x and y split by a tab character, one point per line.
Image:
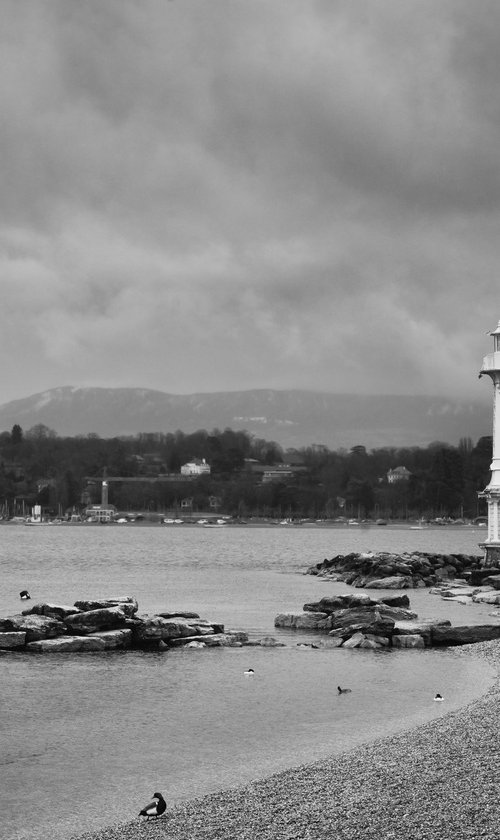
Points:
221	195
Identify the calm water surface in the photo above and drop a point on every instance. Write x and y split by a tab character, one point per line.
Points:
89	737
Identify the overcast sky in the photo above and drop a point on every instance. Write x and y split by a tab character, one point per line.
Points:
214	195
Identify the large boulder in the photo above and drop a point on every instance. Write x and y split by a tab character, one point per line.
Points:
380	641
395	600
369	644
364	620
331	603
422	628
128	604
35	626
67	644
397	613
460	599
60	611
310	621
487	598
113	639
394	582
83	623
465	635
202	627
449	592
154	628
402	569
301	621
356	640
330	642
12	640
285	620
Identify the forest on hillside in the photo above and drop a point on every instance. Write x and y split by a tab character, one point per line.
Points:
65	473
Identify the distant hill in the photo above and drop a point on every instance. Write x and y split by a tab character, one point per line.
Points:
291	418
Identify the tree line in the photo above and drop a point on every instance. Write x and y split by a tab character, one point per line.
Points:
60	473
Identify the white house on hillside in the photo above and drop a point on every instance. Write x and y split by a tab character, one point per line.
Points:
398	474
196	467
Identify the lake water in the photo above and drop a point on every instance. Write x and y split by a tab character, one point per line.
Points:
86	739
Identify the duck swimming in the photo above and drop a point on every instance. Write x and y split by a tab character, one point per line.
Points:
249	673
24	595
343	690
154	808
438	698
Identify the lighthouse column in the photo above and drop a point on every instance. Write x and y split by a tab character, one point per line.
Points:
491	367
493	521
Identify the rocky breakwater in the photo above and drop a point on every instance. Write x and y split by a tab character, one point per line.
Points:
108	624
407	570
361	621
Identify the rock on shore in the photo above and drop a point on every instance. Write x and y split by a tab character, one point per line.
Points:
363	621
108	624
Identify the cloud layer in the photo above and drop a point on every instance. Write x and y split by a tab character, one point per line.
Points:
203	195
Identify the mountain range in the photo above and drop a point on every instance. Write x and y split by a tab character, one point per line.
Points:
291	418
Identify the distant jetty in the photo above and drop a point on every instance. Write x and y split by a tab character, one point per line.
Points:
405	570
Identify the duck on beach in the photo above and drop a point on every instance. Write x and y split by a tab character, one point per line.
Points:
154	808
343	690
24	595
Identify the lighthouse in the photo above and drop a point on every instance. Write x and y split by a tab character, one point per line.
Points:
491	367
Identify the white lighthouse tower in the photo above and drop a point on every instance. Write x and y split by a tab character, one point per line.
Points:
491	367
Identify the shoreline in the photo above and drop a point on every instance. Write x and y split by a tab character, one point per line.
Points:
437	781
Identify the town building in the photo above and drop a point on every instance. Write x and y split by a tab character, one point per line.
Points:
196	467
98	513
103	512
269	473
398	474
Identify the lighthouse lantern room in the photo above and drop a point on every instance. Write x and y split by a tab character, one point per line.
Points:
491	367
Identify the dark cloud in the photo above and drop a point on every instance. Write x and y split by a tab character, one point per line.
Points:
222	195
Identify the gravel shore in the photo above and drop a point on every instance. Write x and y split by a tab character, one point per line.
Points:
437	782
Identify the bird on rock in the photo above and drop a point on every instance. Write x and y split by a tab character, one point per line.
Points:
24	595
343	690
154	808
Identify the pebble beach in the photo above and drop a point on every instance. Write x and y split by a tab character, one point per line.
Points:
436	782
